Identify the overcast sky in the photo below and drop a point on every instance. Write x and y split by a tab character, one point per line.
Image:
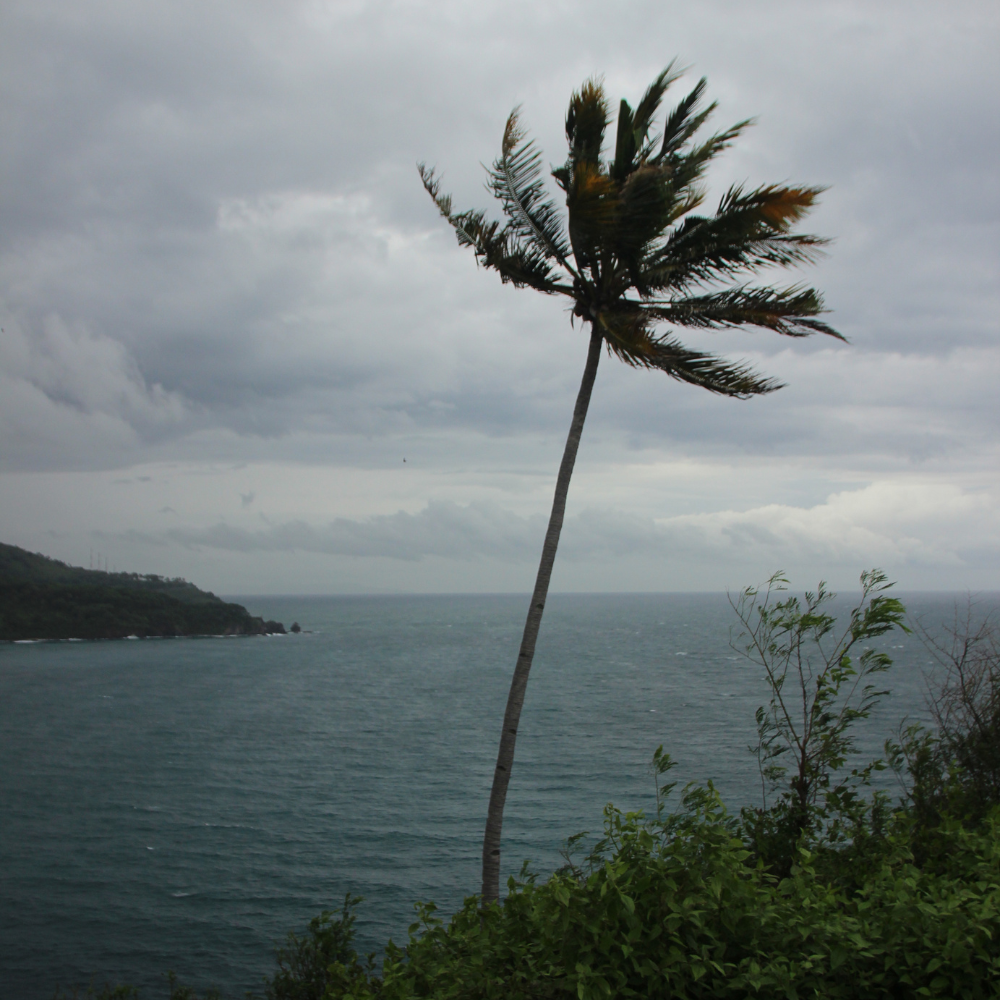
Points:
230	311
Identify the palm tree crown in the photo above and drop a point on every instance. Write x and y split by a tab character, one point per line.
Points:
633	257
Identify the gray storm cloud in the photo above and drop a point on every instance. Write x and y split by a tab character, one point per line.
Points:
441	529
216	249
871	524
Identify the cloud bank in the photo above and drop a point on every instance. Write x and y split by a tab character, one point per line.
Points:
216	252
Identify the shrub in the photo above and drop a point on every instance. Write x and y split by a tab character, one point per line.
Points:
671	908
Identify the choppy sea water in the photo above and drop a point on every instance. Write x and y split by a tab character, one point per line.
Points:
182	804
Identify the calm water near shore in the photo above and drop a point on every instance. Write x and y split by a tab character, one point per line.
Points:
182	804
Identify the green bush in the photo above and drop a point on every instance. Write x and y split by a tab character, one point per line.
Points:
829	891
671	908
805	734
955	767
321	960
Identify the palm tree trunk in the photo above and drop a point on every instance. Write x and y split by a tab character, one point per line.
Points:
519	683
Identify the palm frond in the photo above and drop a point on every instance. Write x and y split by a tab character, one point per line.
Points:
630	338
586	122
718	375
750	230
689	167
778	206
432	184
516	180
650	103
521	264
647	204
593	202
467	225
787	311
625	143
680	124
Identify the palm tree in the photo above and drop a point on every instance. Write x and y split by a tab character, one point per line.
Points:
633	257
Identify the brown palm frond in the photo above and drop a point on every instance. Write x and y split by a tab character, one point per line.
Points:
748	231
586	122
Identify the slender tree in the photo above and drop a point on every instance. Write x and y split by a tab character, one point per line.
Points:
633	256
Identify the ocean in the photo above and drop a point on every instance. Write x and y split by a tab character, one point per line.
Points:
181	804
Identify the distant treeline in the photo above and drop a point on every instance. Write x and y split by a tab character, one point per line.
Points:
42	598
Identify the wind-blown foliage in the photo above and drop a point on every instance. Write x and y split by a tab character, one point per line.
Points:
631	253
674	907
820	686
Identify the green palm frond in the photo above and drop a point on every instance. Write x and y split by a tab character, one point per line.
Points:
650	104
645	206
690	167
516	180
718	375
629	336
787	311
626	144
683	123
632	146
593	202
521	264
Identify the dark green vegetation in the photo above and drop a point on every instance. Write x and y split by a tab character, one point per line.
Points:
829	889
41	598
633	256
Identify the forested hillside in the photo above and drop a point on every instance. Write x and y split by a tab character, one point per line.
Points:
42	598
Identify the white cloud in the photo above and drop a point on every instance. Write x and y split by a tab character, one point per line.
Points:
442	528
88	372
915	529
898	523
65	388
